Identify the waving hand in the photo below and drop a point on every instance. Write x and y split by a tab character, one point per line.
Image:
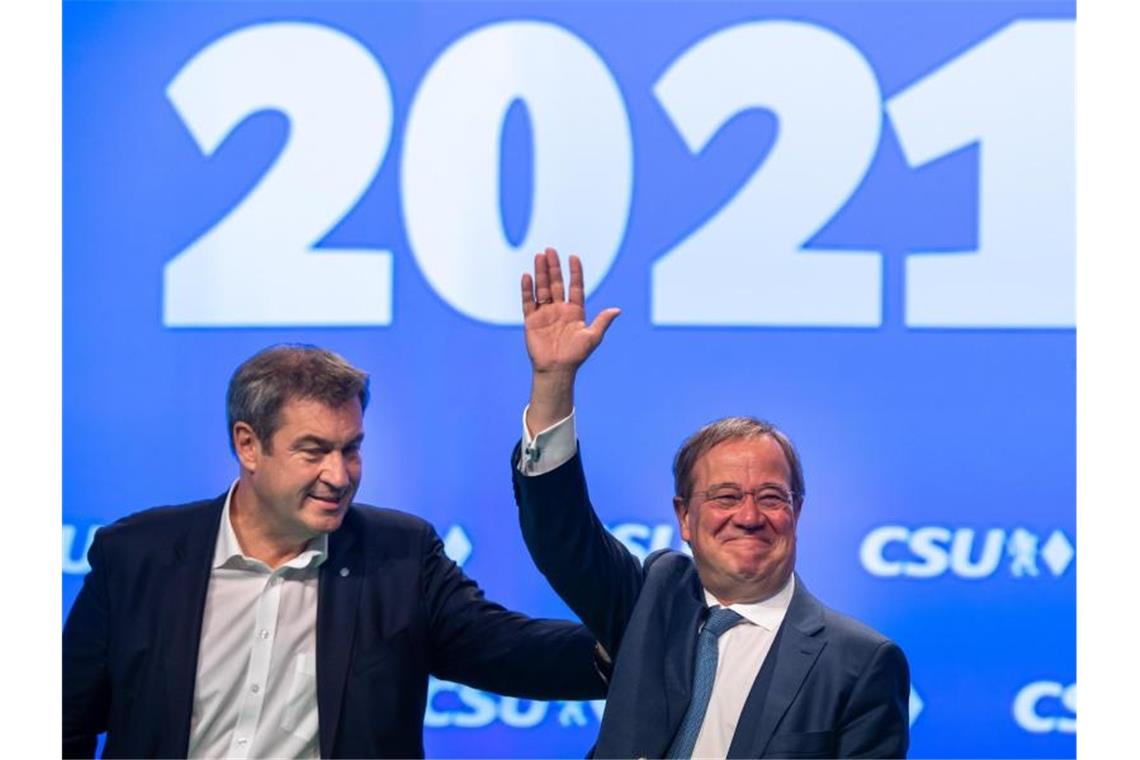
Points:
558	339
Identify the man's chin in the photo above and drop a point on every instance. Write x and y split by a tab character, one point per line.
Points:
751	557
328	521
759	570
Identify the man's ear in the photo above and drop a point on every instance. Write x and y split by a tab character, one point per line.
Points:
246	446
681	509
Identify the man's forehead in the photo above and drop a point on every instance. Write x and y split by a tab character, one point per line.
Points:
310	412
755	454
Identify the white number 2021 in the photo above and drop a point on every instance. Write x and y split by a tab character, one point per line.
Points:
746	265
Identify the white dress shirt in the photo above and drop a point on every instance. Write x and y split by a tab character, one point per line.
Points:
741	650
255	693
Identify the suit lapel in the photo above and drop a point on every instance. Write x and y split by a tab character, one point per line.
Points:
338	597
795	650
685	615
184	604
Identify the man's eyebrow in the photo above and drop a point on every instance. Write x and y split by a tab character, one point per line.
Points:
725	484
322	443
774	484
311	440
734	484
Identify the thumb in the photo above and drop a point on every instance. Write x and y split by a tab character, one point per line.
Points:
603	321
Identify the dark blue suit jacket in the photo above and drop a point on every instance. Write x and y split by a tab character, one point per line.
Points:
401	612
829	687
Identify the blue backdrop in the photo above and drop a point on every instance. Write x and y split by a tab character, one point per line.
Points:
852	218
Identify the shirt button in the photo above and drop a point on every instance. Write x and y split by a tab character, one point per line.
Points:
242	742
263	634
255	688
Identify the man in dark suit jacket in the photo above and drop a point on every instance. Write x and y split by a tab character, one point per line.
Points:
795	679
281	619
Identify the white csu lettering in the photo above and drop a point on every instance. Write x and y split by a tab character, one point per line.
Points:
642	540
478	708
75	562
1027	713
930	552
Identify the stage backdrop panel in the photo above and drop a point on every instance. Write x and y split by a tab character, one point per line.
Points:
852	218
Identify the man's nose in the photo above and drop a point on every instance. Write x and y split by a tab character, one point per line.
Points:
335	472
749	514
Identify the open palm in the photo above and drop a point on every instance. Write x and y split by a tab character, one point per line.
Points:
557	336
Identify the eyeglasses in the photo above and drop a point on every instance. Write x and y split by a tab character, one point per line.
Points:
768	497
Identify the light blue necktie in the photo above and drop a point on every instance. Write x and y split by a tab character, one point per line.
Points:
719	621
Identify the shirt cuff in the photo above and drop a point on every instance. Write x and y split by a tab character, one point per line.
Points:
550	449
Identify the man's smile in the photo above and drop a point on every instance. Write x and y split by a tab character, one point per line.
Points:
750	537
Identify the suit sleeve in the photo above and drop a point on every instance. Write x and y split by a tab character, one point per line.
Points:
876	721
590	570
480	643
86	684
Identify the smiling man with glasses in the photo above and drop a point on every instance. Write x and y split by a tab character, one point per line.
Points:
722	655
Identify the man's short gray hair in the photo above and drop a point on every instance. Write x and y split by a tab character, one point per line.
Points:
262	385
726	429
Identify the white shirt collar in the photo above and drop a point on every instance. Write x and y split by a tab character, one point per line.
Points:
768	613
227	550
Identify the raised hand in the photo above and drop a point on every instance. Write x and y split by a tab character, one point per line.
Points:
558	339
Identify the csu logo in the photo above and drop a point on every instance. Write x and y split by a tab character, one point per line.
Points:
642	539
928	552
458	706
1044	707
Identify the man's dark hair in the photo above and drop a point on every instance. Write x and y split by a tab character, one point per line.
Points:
270	378
732	428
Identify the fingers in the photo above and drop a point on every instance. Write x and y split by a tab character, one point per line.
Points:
603	321
528	304
556	289
547	286
577	289
541	279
